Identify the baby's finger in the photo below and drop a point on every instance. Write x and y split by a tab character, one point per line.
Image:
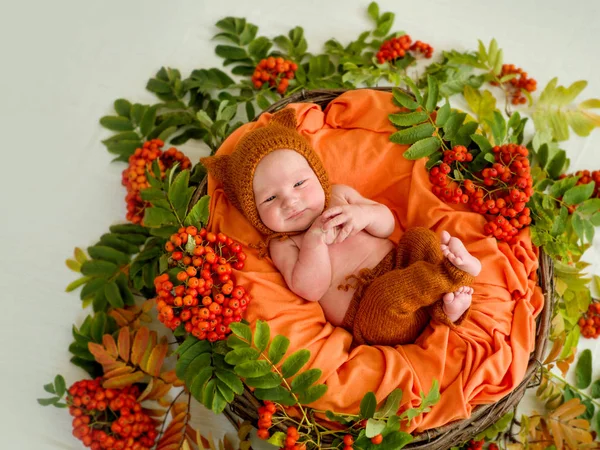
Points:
335	221
344	233
332	212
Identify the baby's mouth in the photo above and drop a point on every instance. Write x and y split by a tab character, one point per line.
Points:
296	214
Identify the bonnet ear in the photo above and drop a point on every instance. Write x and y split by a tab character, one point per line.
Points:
217	166
285	118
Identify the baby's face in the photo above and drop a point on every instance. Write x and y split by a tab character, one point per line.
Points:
288	194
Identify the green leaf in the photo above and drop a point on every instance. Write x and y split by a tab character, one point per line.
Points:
270	380
230	52
374	427
253	369
453	124
122	107
98	327
262	335
432	93
277	439
368	405
240	355
579	193
423	148
231	380
108	254
413	134
48	401
583	370
373	11
193	351
242	330
180	193
116	123
482	142
408	119
277	394
259	48
262	102
100	268
305	379
148	120
294	362
556	164
278	348
403	99
498	126
312	394
156	217
443	114
392	404
49	388
225	391
59	385
595	389
113	295
75	284
92	287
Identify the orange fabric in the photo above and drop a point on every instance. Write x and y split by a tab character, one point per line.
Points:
479	362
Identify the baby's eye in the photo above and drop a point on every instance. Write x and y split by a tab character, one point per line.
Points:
272	197
299	183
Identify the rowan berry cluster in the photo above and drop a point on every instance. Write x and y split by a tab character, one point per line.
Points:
134	176
589	323
202	295
500	192
397	47
521	81
110	419
274	71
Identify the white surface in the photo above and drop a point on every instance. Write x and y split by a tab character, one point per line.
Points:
65	62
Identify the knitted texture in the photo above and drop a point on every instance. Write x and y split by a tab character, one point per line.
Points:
395	301
236	171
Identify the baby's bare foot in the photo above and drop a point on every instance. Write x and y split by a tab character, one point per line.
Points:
456	303
457	254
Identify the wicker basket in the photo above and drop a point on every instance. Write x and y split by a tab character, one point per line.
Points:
246	406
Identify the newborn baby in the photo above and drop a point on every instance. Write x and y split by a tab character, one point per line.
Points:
321	236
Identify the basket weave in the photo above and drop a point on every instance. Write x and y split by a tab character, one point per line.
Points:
246	406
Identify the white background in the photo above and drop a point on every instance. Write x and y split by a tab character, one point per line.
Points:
63	63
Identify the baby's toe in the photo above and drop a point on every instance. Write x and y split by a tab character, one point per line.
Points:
448	298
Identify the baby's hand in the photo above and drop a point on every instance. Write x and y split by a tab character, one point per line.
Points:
328	235
349	219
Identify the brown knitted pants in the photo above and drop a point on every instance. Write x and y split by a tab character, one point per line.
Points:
394	301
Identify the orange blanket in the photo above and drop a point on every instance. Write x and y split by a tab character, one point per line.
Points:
480	362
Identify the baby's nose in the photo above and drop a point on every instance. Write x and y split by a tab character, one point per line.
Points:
291	201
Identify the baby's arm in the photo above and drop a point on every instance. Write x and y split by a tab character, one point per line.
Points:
306	270
359	214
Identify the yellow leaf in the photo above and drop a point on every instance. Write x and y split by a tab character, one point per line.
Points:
123	380
140	343
557	433
568	410
244	430
100	353
146	391
154	412
146	318
87	302
118	371
178	409
73	265
169	376
148	305
151	344
160	390
112	366
227	444
579	423
556	349
124	343
156	359
80	255
186	446
110	345
121	316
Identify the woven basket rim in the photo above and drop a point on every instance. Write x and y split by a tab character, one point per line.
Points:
246	405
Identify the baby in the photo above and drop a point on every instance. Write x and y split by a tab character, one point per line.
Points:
331	234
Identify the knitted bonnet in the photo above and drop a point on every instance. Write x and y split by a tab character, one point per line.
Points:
236	170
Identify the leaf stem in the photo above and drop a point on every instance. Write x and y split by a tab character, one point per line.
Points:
565	382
